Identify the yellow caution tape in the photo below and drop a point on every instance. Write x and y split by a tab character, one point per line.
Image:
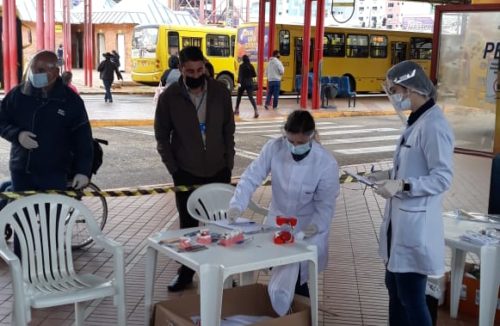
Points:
10	195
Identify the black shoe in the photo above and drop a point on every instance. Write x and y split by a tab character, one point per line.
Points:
179	284
265	107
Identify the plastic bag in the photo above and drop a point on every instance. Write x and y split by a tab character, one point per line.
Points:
281	287
158	92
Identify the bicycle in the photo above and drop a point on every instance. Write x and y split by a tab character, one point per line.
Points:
97	204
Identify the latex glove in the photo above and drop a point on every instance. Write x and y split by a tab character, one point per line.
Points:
389	188
26	140
80	181
232	214
378	175
310	230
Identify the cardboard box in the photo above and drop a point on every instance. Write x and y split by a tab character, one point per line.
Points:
469	298
245	300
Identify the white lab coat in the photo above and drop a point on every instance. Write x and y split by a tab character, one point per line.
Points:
306	189
425	160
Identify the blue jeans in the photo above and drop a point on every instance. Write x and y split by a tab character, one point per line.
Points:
22	181
107	87
273	89
407	301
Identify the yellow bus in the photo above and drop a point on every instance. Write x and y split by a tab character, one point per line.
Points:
364	55
152	45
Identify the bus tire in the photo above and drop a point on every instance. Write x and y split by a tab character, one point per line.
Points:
227	80
352	81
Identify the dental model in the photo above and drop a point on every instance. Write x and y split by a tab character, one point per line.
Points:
204	237
184	242
232	238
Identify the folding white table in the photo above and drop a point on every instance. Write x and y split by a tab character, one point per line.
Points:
490	267
215	264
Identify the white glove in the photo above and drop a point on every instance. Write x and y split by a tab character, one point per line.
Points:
80	181
310	230
389	188
26	140
378	175
232	214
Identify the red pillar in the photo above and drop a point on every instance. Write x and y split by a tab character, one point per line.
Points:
40	25
202	12
67	35
272	25
260	52
88	36
6	43
318	53
214	11
51	45
13	63
306	44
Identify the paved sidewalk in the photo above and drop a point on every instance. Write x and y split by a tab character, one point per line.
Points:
352	290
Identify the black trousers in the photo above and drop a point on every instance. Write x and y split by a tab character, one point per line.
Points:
249	90
184	178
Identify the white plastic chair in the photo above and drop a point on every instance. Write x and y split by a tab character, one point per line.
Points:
210	203
45	277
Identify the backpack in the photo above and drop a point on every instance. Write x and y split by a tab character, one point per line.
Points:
98	154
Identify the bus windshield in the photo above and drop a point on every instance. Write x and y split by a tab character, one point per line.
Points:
145	40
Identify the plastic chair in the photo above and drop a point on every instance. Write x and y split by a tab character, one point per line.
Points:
346	91
45	276
209	203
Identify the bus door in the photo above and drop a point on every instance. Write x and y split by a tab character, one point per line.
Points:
399	52
298	54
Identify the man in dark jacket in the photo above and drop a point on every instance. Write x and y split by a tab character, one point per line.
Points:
48	128
108	69
194	129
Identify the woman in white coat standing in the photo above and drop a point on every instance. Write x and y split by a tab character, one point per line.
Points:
305	184
411	234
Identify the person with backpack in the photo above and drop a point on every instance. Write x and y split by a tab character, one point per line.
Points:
108	69
172	74
246	74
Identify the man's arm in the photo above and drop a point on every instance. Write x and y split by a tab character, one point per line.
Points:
163	129
229	128
8	130
81	139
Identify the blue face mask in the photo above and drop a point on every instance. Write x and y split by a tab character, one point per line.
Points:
299	149
40	80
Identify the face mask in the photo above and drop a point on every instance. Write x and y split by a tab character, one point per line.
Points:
195	82
39	80
400	103
299	149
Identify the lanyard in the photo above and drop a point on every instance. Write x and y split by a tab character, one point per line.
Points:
200	102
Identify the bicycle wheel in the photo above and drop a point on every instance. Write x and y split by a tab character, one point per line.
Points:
99	208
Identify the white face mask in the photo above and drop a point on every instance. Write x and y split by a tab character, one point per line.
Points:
40	80
400	103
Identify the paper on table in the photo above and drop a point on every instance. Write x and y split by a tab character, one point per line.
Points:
244	224
361	179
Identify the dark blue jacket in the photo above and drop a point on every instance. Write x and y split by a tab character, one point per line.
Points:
61	125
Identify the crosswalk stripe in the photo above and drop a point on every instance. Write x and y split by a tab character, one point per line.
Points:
132	130
366	150
277	122
359	140
269	129
344	132
246	154
279	126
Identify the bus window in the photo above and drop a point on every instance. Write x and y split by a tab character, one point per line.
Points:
357	46
218	45
284	42
420	48
145	40
191	41
334	45
378	46
173	43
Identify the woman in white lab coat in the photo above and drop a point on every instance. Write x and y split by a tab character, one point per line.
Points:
411	234
305	183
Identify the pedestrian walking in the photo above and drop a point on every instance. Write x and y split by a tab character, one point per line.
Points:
107	71
246	75
49	131
194	130
60	56
412	231
274	72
